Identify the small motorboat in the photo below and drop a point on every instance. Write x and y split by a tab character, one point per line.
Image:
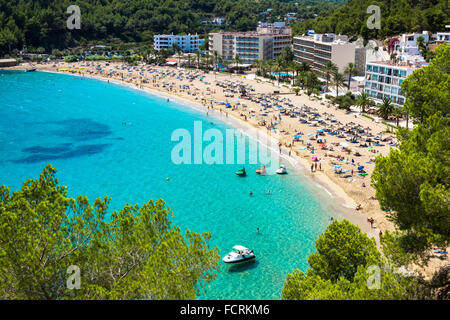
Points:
281	170
241	172
30	70
261	170
238	255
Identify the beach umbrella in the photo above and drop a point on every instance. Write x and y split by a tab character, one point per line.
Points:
336	167
360	167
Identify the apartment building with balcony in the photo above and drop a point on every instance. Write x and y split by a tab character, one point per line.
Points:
319	49
267	42
187	43
383	79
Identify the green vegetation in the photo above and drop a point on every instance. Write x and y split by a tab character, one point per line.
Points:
412	182
344	268
397	17
43	23
135	253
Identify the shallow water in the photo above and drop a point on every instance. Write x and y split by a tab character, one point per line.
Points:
77	125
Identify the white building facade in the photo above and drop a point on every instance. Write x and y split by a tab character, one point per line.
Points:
319	49
384	79
187	43
267	42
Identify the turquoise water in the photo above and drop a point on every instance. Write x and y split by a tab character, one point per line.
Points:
76	124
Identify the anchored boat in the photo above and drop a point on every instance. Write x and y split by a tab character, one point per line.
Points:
241	172
238	255
261	170
281	170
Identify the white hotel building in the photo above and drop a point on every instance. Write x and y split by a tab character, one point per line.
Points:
318	49
267	42
384	78
188	43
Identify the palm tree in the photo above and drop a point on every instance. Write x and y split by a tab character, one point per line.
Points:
259	65
328	70
337	81
364	101
398	113
178	50
385	109
237	60
277	67
216	59
295	68
198	55
350	70
312	81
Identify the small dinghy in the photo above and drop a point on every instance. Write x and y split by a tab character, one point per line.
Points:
261	170
238	255
281	170
241	172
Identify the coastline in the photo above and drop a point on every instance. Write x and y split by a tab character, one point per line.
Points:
345	199
345	203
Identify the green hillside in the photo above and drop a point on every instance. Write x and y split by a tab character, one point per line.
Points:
398	16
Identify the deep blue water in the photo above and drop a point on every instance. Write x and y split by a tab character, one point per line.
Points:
77	125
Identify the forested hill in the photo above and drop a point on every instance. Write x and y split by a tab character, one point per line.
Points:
42	23
398	16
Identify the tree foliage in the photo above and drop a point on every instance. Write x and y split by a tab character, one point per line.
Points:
342	269
43	23
396	17
412	182
135	253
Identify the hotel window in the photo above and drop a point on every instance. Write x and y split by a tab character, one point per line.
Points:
387	80
375	68
389	71
374	85
395	81
401	101
396	72
394	90
381	79
375	77
382	70
403	73
369	67
387	89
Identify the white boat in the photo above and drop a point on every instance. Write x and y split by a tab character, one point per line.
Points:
240	254
281	170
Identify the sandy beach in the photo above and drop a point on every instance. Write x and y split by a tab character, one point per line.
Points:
335	148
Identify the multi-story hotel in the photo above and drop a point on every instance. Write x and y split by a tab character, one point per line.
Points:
384	79
188	43
265	43
319	49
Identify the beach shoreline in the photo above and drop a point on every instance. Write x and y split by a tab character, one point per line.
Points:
342	193
300	165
